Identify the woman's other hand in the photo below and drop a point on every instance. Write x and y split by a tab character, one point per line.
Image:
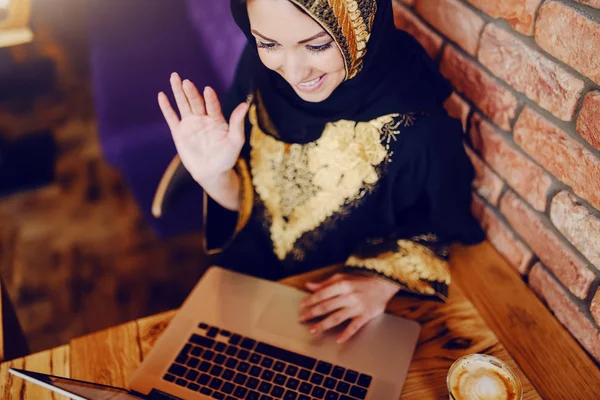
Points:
345	297
207	145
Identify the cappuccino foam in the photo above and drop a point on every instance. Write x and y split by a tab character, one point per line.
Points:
481	380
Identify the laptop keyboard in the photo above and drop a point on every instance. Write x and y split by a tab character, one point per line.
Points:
228	366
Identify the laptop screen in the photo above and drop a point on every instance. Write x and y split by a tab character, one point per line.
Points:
83	390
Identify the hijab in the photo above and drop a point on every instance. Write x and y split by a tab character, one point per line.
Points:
387	71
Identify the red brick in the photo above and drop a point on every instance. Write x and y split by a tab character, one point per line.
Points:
458	108
469	78
406	20
588	123
454	20
570	36
488	184
530	72
592	3
570	268
567	311
595	308
560	154
519	13
577	223
501	237
522	174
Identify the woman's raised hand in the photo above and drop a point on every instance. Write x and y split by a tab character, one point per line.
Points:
207	145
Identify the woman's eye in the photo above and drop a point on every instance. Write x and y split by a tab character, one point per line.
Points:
266	46
320	48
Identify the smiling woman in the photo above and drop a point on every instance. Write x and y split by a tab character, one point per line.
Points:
337	151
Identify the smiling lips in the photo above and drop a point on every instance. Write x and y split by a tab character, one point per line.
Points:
313	85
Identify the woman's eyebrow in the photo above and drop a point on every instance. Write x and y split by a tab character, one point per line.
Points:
318	35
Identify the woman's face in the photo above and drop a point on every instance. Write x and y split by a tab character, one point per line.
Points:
296	47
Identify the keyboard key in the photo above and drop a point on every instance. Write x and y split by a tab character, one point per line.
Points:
193	362
193	386
218	396
267	375
338	372
265	397
196	351
202	325
220	346
358	392
182	359
318	392
343	387
248	344
292	384
205	366
243	355
192	375
230	398
203	379
280	379
212	332
255	358
225	333
267	362
255	370
291	370
235	339
252	383
181	382
228	388
202	341
285	355
220	359
303	397
277	392
331	395
215	383
169	378
351	376
231	350
177	370
279	366
206	391
240	379
208	355
231	363
316	378
243	367
252	395
323	368
305	388
240	392
216	370
265	387
228	375
186	349
304	374
364	380
330	383
289	395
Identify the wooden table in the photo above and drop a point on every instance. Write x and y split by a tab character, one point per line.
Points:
449	331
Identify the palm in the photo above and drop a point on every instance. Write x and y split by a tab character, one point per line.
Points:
206	143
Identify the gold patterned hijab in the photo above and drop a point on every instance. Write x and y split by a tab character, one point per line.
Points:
387	71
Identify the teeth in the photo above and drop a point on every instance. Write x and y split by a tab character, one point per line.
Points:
311	83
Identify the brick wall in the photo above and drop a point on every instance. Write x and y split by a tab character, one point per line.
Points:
527	80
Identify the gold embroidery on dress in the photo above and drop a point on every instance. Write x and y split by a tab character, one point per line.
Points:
301	185
413	265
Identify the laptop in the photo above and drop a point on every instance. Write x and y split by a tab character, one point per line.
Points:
238	337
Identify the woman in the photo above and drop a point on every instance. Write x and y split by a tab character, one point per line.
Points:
337	151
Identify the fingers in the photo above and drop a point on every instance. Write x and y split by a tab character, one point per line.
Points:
334	320
167	111
352	328
314	286
324	308
180	97
194	98
335	289
213	106
236	122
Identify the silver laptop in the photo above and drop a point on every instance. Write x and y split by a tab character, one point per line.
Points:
238	337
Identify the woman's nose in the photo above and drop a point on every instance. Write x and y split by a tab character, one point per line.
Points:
294	69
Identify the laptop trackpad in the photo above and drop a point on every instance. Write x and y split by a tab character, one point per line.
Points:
280	317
